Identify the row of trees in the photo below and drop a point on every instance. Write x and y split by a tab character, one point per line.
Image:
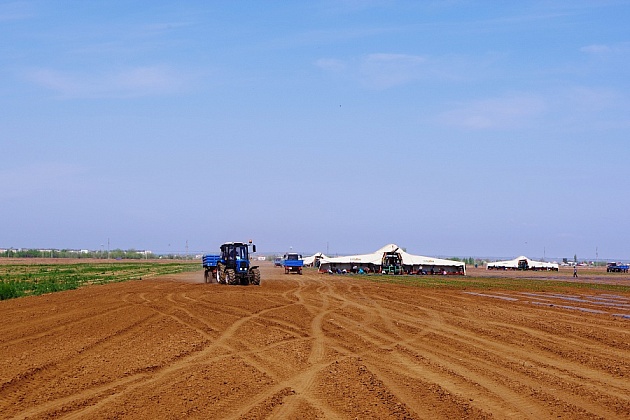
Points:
467	261
117	254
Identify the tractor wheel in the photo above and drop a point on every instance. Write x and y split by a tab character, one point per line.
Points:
206	276
254	277
230	276
220	274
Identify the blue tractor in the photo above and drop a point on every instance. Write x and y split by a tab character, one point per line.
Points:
234	267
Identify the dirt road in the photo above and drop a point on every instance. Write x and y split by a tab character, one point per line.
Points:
313	346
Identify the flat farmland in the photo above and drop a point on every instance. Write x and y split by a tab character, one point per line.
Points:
494	344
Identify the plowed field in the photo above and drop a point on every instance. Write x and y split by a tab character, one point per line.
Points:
315	346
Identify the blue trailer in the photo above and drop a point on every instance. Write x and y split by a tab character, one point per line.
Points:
210	263
292	263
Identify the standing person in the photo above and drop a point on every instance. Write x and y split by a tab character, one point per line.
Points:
575	271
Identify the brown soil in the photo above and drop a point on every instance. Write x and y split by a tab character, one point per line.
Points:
315	346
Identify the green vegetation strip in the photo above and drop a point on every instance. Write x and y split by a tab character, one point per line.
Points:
17	280
493	283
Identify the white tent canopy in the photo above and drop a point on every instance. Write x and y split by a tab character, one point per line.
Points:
410	262
522	263
311	260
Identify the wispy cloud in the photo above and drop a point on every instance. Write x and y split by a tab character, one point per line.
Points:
379	71
331	64
495	113
382	71
132	82
576	108
602	49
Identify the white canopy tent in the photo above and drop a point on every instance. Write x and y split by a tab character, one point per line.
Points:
309	261
410	263
522	263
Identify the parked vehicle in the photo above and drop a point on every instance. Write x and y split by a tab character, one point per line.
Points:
277	262
392	263
292	263
617	267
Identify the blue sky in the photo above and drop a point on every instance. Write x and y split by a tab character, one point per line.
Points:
451	128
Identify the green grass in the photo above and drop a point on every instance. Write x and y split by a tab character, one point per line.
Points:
17	280
493	283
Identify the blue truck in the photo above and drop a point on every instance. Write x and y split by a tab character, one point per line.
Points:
292	263
617	267
232	265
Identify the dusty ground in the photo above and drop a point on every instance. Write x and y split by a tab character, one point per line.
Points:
315	346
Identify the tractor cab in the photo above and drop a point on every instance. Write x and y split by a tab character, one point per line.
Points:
235	255
234	251
392	263
292	256
523	265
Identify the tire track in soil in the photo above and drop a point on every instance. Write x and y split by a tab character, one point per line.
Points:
301	382
419	354
163	373
449	364
55	369
39	380
57	328
569	373
473	377
381	343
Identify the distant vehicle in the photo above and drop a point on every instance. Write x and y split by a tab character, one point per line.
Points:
392	263
617	267
277	262
292	263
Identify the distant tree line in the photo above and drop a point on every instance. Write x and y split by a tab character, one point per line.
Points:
116	254
467	261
